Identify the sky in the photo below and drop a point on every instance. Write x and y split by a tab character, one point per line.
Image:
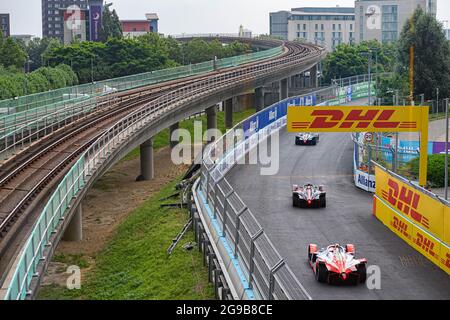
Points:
187	16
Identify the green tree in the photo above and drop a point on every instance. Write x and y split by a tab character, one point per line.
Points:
348	59
36	49
111	26
12	55
431	51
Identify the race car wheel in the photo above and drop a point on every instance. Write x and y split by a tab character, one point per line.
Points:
321	273
295	201
314	142
323	202
354	280
361	268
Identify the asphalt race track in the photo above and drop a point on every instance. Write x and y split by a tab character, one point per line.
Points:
405	273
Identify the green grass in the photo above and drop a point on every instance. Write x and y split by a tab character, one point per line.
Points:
135	265
72	259
162	139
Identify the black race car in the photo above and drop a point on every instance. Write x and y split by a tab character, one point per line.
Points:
306	139
309	196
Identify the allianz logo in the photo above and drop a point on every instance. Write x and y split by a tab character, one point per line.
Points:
254	125
366	182
272	115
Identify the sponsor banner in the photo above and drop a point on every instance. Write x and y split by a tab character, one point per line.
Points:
356	119
424	242
415	205
365	181
445	258
439	148
95	21
446	224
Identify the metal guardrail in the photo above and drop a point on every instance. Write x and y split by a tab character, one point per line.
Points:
20	128
265	270
95	156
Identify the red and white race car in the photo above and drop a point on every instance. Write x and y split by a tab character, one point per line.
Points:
337	264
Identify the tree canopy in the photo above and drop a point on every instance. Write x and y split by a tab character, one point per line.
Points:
119	57
353	59
111	26
431	51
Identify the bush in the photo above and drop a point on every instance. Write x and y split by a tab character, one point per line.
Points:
14	84
436	169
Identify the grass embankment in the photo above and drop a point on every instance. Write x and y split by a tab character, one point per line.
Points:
134	264
162	139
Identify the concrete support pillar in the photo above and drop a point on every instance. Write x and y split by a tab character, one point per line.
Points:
301	80
74	231
314	83
211	121
147	166
228	107
174	138
259	98
284	89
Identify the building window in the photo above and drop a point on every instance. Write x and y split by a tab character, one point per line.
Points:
389	23
302	35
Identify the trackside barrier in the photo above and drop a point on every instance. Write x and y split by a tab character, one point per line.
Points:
419	217
275	282
234	222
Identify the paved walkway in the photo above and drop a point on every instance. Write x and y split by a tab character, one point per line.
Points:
436	132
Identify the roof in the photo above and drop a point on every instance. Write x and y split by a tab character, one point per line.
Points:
140	21
348	10
151	16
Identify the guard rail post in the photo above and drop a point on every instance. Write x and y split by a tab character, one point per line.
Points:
225	208
252	254
275	268
236	235
216	191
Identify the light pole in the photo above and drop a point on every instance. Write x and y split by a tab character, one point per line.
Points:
446	149
92	70
437	100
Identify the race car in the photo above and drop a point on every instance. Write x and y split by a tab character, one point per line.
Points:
337	264
306	138
309	196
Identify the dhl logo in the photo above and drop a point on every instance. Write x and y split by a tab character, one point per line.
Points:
447	263
426	244
405	200
355	119
400	226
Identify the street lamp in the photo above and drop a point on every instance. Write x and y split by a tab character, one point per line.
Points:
446	149
369	55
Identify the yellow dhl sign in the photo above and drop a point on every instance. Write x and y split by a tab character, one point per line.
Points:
356	119
420	220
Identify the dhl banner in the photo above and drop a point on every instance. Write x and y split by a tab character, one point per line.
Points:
422	209
420	220
356	119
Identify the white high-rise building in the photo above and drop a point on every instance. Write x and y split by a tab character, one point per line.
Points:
384	19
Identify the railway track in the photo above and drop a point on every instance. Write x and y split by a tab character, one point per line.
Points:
32	175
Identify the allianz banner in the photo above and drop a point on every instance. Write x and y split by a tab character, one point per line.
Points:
416	217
